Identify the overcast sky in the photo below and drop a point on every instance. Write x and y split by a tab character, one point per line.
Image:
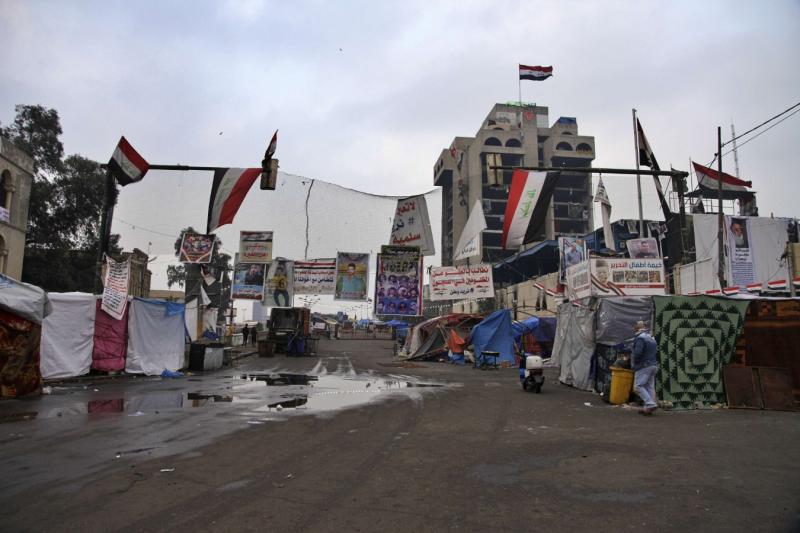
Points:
366	94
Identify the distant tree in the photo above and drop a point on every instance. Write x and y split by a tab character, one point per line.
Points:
189	275
65	205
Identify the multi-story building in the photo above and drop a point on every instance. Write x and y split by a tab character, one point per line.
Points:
513	135
16	178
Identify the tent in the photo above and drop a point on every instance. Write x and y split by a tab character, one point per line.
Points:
430	337
110	340
156	334
574	344
494	333
67	335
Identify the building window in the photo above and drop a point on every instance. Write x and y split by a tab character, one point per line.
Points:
564	146
513	143
583	147
5	181
492	141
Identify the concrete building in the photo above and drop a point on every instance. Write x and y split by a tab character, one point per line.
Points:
514	135
16	178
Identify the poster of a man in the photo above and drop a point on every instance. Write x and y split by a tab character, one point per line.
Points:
572	251
351	276
602	271
739	232
279	292
248	281
643	248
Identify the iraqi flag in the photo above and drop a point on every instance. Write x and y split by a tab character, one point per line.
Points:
534	73
527	205
709	179
126	165
227	194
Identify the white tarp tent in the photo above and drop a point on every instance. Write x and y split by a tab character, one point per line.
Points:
24	300
156	334
574	344
68	335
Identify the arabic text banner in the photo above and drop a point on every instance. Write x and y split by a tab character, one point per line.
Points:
740	251
280	291
315	276
352	271
196	248
398	282
255	246
618	276
115	290
248	281
411	226
457	283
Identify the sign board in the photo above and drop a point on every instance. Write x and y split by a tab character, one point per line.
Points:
646	248
115	290
255	246
571	251
280	290
411	225
398	281
315	276
248	281
616	277
352	272
196	248
458	283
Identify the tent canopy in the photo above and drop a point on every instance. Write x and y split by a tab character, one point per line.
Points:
494	333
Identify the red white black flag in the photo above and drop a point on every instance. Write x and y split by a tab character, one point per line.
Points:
534	73
273	145
126	165
648	159
526	209
228	190
709	178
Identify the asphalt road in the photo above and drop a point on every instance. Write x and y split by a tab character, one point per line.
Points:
477	455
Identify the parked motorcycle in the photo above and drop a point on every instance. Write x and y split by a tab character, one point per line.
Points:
531	373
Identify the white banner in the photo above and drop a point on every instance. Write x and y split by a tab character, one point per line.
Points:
458	283
470	241
411	226
315	276
627	277
115	291
255	246
741	258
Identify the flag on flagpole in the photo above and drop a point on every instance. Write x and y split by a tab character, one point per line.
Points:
469	242
126	165
228	190
527	205
534	73
601	196
709	178
648	159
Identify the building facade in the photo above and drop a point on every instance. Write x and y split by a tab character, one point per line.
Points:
513	135
16	179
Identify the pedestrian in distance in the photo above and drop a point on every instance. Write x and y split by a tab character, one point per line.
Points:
245	334
645	365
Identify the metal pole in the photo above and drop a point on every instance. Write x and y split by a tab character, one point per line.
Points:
790	264
638	177
597	170
105	230
720	216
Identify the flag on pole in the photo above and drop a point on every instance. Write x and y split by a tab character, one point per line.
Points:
709	178
469	242
648	159
527	205
534	73
601	196
126	165
228	190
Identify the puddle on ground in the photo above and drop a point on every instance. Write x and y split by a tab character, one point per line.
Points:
249	394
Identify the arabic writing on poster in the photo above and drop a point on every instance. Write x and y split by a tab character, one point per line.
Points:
398	283
315	276
255	246
456	283
411	225
115	291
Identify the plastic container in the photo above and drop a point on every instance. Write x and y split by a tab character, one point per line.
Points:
621	385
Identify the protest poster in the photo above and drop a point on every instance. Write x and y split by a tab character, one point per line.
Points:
196	248
248	281
315	276
115	289
741	260
411	225
255	246
578	281
351	276
621	276
571	251
646	248
398	281
458	283
279	291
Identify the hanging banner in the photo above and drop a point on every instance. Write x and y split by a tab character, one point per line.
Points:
351	276
470	240
627	277
411	226
741	260
255	246
248	281
458	283
398	282
643	248
196	248
115	290
280	290
571	251
315	276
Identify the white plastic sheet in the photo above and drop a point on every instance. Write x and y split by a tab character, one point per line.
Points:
155	337
574	344
68	335
24	300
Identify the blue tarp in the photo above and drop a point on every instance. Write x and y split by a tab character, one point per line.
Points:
546	332
494	333
529	325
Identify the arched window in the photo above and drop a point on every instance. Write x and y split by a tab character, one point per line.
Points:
492	141
513	143
583	147
564	146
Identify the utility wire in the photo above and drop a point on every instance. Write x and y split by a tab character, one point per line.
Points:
763	132
762	124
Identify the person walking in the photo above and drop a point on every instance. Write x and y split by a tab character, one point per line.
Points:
645	364
245	334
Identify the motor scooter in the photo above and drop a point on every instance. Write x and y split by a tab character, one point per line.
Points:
531	373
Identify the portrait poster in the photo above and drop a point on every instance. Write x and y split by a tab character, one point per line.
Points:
411	225
196	248
315	276
571	251
398	282
646	248
352	271
255	246
458	283
741	260
115	288
279	291
248	281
